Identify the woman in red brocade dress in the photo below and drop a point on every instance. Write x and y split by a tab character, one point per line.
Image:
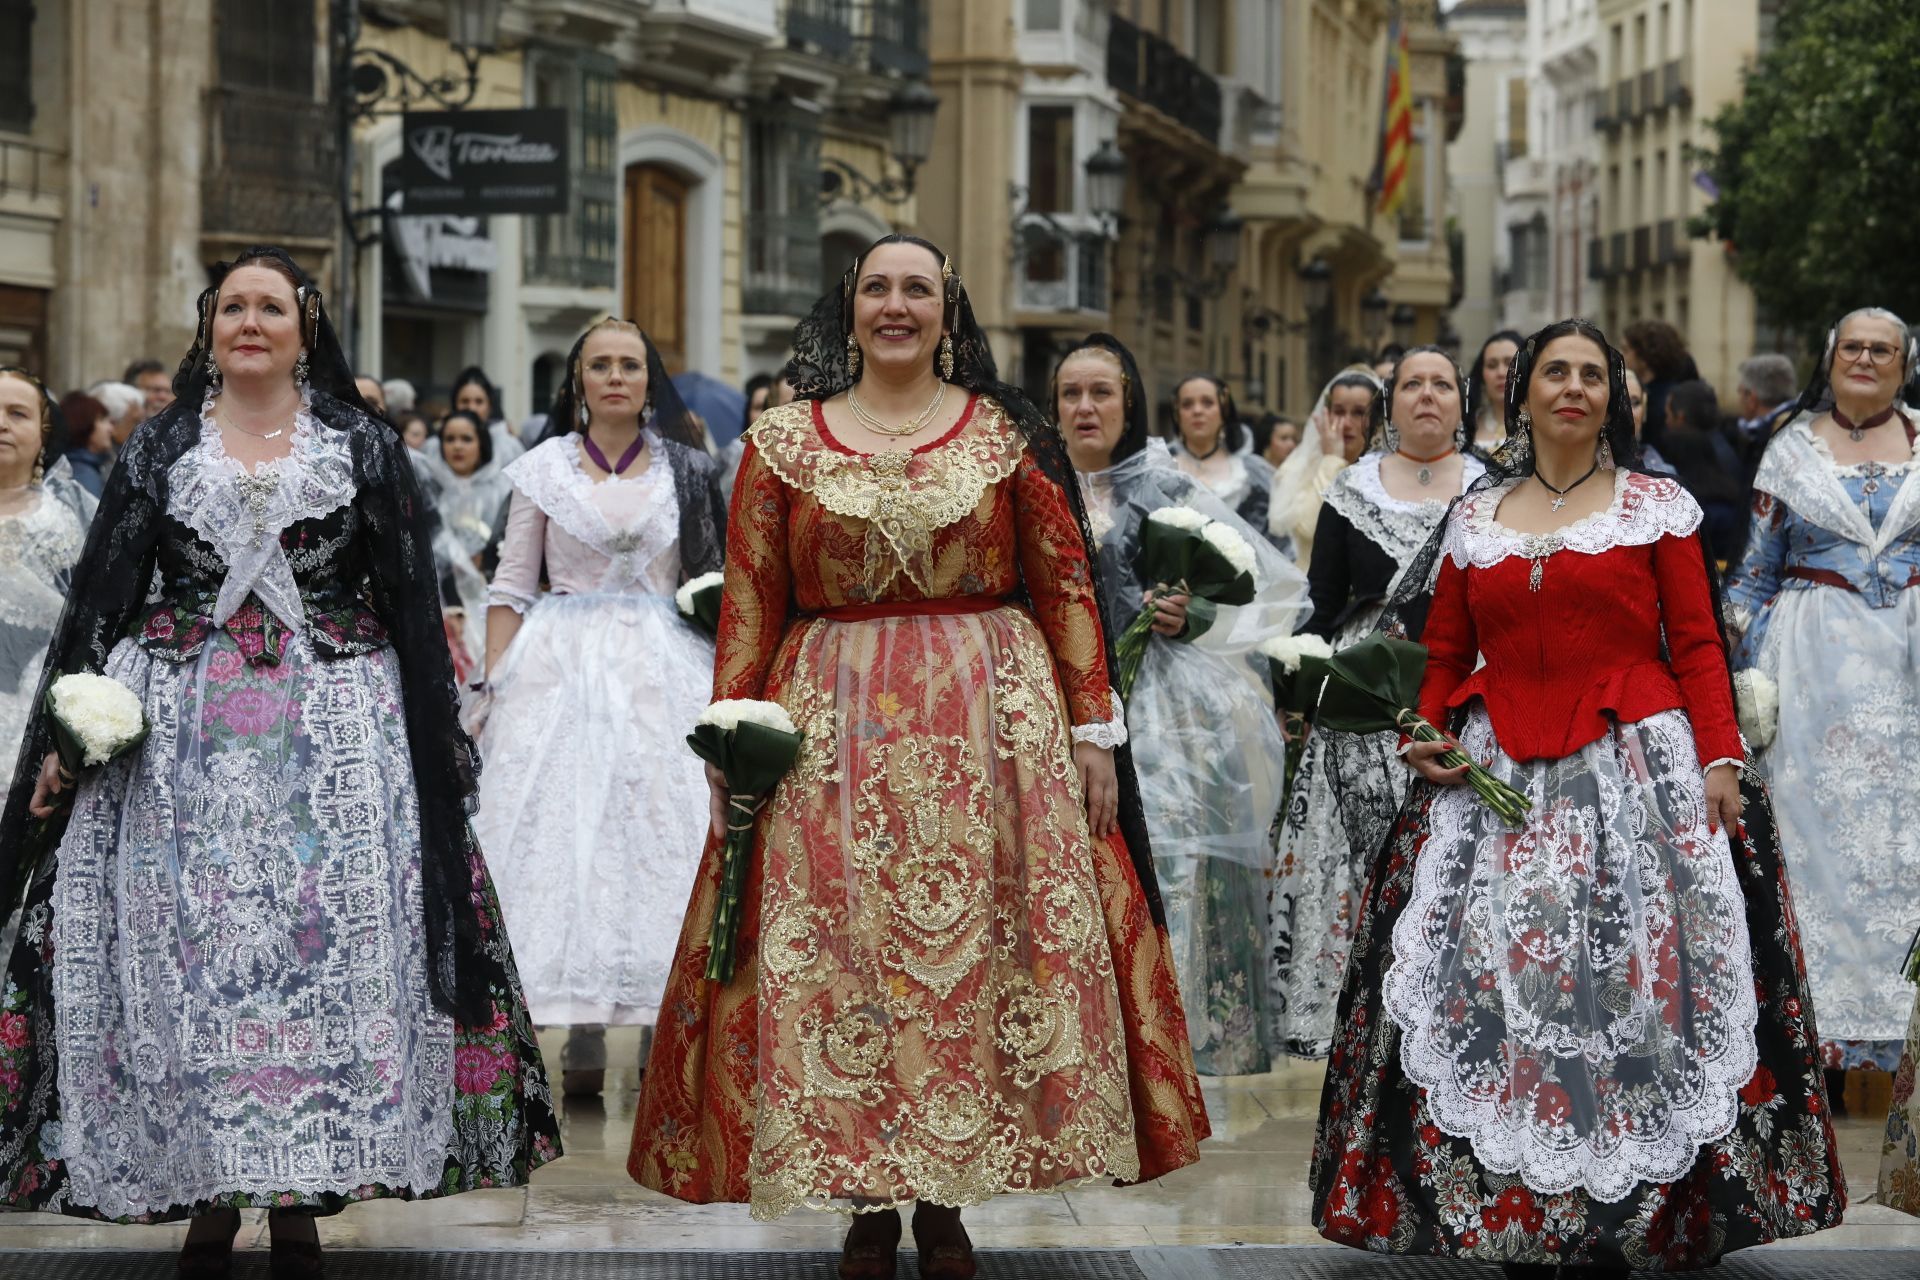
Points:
953	977
1585	1042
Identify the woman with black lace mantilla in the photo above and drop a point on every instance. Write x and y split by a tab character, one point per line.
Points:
952	978
260	962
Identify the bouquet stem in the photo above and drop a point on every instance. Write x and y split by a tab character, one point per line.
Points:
1130	650
725	932
1509	804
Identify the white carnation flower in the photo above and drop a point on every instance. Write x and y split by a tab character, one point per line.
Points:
102	714
1291	651
1179	518
684	596
731	713
1225	539
1756	700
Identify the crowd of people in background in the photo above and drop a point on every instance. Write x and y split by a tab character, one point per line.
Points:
942	627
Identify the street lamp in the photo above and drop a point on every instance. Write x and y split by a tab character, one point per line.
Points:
912	111
1404	320
1223	241
1107	183
473	24
1373	316
380	83
1317	277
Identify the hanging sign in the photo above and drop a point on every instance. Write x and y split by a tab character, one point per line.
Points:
471	163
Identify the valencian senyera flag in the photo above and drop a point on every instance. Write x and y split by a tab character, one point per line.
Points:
1396	134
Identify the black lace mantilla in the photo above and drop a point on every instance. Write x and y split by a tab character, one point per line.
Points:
393	559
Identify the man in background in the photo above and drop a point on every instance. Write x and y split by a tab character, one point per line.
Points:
153	381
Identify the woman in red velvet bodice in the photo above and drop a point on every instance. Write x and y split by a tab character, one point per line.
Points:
1579	1038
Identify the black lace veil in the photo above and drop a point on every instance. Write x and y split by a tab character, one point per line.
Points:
111	582
820	370
664	410
1133	437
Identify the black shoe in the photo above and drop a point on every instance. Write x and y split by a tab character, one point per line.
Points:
293	1259
208	1259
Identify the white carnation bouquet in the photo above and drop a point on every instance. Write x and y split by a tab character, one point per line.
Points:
753	744
1184	553
699	601
1293	693
94	719
1756	702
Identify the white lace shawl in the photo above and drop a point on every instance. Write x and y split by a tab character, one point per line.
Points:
1799	469
1644	509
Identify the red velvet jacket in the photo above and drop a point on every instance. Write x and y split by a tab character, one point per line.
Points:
1579	647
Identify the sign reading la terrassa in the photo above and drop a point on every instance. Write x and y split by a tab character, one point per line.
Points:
480	162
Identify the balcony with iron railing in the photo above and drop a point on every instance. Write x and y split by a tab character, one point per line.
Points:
1675	89
1650	99
1617	253
1670	242
247	188
1596	259
824	25
1153	72
897	36
783	263
1624	109
1642	248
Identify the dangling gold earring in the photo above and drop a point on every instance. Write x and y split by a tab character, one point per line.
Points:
1604	455
853	357
946	358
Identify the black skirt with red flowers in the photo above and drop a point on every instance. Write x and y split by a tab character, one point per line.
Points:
1385	1178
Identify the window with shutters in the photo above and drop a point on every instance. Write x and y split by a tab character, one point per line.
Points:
783	211
577	247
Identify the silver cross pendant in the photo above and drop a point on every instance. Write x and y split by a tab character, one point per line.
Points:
1559	503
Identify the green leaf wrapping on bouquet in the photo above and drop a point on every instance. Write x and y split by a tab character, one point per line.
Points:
753	758
1214	577
706	609
1201	615
1167	552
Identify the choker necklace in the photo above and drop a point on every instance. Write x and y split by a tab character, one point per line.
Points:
1219	443
1858	432
1425	474
1561	501
912	426
626	459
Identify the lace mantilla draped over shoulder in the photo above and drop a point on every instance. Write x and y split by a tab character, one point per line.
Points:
1644	509
1799	469
904	497
1397	527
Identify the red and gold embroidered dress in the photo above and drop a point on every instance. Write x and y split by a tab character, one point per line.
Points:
946	989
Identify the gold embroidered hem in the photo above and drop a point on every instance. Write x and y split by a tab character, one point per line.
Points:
939	1014
903	498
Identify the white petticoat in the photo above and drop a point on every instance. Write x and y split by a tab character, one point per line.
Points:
1846	793
1576	997
592	807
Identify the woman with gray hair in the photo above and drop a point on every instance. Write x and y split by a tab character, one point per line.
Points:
1824	608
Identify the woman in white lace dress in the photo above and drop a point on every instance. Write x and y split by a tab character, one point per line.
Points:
593	809
471	491
1377	515
44	515
1336	434
1826	604
260	963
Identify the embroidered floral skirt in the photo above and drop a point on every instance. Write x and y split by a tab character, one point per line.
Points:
1900	1153
219	995
946	990
591	807
1587	1041
1211	763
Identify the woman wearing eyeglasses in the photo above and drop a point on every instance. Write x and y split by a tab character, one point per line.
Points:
1825	605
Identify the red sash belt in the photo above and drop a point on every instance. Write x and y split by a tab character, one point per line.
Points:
1825	577
948	607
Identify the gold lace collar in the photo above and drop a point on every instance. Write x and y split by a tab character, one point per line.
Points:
904	498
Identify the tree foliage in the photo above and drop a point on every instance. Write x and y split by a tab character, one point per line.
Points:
1818	173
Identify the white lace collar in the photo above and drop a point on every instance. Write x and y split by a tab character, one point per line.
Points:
551	477
242	515
1397	526
1644	509
1799	469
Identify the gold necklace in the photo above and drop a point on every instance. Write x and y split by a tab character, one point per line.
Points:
912	426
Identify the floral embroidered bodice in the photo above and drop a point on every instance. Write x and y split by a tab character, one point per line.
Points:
1608	619
1819	524
618	534
265	555
818	526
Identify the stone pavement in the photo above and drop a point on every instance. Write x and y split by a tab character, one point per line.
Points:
582	1219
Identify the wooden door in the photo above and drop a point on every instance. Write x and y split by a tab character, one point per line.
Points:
656	259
